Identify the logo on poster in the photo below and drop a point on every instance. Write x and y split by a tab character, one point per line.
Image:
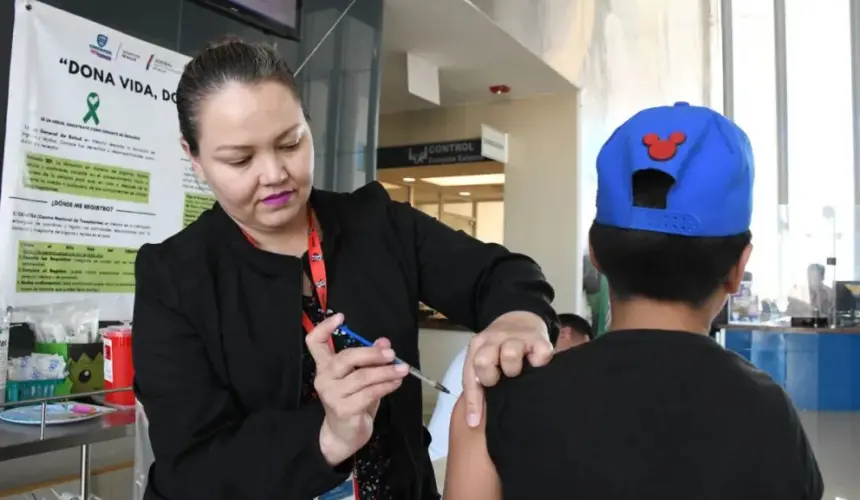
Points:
127	54
160	65
99	49
93	103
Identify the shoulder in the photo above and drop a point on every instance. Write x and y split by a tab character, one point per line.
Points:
773	402
183	253
514	401
367	200
747	377
369	211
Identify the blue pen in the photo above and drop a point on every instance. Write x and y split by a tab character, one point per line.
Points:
412	370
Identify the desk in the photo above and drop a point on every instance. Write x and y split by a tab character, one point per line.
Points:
818	367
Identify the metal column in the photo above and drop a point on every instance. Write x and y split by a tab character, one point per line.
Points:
85	472
728	48
779	44
781	92
854	9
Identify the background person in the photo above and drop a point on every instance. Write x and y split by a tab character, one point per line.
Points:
596	290
574	331
821	297
242	404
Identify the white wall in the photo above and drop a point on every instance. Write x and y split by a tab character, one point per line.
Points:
489	217
557	31
464	208
540	207
491	222
438	348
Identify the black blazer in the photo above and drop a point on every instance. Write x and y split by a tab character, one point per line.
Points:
218	341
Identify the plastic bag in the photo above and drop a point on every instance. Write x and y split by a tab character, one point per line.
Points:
4	351
62	323
37	366
143	456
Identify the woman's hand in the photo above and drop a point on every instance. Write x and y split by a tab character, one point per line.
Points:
500	348
350	385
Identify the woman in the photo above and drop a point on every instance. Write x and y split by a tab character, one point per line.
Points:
239	406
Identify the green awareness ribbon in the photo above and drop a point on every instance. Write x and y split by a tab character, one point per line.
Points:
93	103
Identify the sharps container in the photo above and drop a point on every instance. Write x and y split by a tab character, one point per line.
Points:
119	371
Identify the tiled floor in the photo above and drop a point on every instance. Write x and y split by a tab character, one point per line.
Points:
38	469
114	485
835	437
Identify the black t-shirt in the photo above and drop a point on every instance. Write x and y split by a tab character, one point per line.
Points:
649	415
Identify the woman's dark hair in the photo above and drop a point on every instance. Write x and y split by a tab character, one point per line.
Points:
660	266
225	61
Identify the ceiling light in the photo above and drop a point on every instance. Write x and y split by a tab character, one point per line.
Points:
467	180
465	193
389	186
409	179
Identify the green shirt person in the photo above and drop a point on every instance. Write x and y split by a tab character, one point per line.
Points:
596	289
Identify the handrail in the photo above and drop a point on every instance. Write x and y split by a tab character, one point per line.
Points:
51	399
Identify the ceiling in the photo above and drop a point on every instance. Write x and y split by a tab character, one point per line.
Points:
470	50
398	182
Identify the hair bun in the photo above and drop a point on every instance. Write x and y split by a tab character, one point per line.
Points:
224	41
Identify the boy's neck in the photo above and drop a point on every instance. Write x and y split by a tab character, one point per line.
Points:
645	314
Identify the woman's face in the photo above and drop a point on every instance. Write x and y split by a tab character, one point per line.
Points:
256	153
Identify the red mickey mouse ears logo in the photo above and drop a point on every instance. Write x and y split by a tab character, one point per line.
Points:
663	149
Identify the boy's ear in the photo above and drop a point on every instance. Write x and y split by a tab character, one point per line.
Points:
736	275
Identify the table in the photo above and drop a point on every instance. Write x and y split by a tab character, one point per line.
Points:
19	441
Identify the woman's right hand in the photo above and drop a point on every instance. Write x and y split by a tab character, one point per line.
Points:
350	385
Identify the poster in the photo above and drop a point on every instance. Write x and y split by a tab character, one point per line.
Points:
92	167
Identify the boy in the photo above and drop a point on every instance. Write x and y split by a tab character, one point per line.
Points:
667	413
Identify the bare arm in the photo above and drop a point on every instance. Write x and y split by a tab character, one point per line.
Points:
470	474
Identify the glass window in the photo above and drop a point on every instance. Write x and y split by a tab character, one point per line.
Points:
820	152
755	112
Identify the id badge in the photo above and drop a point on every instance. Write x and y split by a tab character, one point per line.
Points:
346	491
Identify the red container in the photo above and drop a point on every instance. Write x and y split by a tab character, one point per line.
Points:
119	371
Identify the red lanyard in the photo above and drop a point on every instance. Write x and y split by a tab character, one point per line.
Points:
318	277
317	263
315	256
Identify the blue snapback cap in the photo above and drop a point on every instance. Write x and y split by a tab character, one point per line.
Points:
709	157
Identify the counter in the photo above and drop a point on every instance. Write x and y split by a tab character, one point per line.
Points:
818	367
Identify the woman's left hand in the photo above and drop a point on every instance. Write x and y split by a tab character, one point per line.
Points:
500	348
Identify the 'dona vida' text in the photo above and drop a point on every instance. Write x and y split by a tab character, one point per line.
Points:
106	77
